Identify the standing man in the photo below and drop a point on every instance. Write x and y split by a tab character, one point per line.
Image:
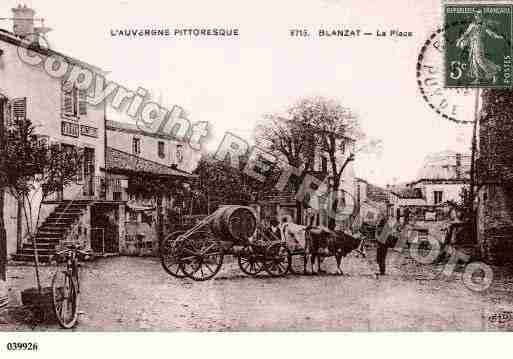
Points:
386	237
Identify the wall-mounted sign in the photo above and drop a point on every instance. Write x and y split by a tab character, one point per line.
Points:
70	129
89	131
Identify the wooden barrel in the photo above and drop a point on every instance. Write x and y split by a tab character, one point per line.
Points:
233	223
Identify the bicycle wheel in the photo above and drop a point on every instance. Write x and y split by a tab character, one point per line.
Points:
169	257
65	299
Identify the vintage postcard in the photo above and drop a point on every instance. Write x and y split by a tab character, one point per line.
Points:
321	166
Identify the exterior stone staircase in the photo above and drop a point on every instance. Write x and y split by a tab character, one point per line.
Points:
52	231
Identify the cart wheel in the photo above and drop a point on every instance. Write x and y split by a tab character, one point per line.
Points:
202	256
250	262
277	260
65	299
169	256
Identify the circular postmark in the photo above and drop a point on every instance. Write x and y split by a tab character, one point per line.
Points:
454	104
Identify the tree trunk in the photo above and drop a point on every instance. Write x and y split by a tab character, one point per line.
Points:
160	232
19	227
332	222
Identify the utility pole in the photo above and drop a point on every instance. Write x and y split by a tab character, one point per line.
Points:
4	299
472	193
3	237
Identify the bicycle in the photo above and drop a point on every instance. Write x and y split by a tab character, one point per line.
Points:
66	286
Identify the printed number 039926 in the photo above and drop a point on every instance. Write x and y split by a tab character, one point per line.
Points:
13	346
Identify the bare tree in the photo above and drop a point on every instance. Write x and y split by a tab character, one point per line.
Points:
313	125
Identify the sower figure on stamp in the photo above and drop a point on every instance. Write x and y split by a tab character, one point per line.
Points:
473	39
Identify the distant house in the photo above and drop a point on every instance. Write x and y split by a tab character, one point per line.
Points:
495	177
440	180
372	201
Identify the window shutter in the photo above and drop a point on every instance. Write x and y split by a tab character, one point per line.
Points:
82	102
67	99
18	110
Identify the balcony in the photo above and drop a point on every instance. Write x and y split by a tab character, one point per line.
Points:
97	187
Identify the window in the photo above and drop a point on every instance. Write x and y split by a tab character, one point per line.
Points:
179	154
132	216
136	146
438	195
161	149
324	164
116	196
17	109
74	101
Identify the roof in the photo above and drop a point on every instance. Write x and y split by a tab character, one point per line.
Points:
134	129
13	39
124	162
406	192
376	193
446	165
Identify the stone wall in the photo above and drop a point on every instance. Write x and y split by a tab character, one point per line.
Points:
495	176
495	224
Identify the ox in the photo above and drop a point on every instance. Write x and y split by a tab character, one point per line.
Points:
320	242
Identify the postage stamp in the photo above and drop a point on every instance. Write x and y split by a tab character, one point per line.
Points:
478	53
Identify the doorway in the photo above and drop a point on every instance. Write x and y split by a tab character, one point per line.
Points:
105	229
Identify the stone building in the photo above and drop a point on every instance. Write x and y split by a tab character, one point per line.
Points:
440	181
495	177
126	136
93	210
61	115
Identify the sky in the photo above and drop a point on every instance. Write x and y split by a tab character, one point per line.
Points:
233	82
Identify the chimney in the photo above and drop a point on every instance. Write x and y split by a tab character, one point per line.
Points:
458	165
23	20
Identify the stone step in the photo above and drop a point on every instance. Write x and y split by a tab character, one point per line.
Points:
53	235
52	228
30	258
47	241
40	251
40	245
60	219
64	215
68	212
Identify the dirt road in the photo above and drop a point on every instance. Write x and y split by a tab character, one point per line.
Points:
128	293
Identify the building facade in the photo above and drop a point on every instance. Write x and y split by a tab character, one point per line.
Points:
441	181
58	110
159	148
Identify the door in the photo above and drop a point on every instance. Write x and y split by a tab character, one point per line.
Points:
105	229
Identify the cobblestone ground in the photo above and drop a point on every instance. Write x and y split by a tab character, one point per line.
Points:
130	293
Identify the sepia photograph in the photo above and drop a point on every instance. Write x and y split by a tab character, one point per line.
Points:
325	167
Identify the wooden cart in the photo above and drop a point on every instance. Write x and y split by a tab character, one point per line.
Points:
198	253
